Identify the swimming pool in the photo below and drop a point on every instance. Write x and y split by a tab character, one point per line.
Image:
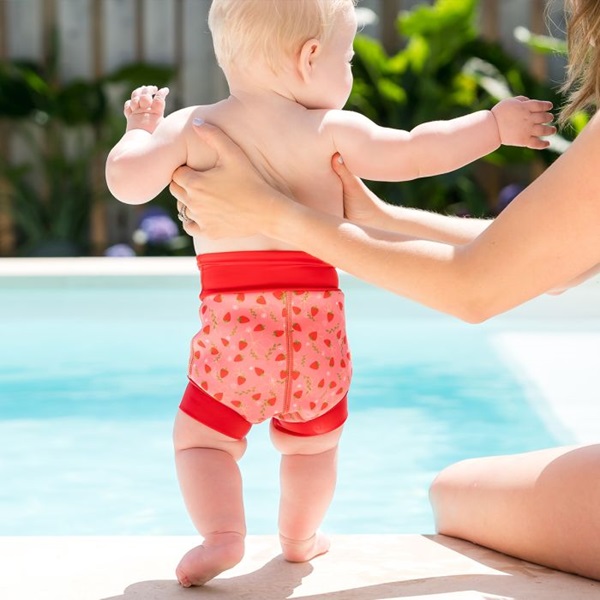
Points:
92	369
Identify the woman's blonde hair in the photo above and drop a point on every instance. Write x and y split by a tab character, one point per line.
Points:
270	30
583	72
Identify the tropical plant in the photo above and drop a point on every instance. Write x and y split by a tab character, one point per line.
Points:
65	129
445	70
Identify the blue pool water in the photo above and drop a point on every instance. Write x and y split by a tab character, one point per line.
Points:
92	369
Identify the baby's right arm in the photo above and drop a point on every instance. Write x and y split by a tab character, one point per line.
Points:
142	162
385	154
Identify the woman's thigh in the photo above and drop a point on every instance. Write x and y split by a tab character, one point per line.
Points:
541	506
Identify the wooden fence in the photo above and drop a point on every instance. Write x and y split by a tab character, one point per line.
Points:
96	37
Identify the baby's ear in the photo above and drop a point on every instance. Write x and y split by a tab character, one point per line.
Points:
310	51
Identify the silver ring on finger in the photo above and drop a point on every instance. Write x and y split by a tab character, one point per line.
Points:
182	216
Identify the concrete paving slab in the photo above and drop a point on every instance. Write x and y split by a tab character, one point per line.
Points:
358	567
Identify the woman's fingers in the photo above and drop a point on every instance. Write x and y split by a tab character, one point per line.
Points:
219	141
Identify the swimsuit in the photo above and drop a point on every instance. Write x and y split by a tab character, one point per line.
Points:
272	345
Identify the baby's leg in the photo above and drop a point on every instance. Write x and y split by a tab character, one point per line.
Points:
212	489
308	476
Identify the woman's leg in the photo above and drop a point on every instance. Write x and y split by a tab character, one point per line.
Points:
308	475
212	489
541	506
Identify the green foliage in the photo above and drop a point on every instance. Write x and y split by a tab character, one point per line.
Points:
444	71
67	128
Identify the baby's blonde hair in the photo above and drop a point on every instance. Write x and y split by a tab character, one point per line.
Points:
268	30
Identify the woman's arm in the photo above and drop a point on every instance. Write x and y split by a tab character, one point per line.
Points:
385	154
546	236
363	207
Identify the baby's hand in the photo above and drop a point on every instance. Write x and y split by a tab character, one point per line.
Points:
523	122
146	108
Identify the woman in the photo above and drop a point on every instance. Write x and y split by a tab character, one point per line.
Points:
541	506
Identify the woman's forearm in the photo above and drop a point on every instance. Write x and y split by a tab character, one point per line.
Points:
429	225
419	270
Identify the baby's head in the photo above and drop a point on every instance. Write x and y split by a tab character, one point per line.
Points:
273	32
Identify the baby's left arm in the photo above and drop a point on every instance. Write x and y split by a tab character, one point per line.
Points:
385	154
142	162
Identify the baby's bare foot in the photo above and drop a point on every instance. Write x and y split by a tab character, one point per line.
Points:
303	550
218	553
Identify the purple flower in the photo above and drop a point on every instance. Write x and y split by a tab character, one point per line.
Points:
119	250
157	227
507	194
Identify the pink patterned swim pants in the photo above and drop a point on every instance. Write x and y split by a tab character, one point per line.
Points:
272	345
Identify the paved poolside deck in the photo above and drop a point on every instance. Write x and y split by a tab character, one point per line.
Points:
359	567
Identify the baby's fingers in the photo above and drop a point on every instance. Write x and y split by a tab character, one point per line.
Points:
536	143
539	106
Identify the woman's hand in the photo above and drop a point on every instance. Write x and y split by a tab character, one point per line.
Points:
229	200
361	205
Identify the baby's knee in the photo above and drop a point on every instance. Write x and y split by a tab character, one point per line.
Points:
189	434
296	444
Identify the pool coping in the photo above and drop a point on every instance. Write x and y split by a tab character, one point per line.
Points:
358	567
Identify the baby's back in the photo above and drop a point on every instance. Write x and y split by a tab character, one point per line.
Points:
289	147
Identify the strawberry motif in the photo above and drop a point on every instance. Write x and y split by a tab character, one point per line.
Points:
272	401
227	317
218	298
314	365
238	358
243	319
242	344
261	300
256	396
236	403
241	380
297	345
314	311
225	341
241	297
218	396
280	357
259	327
223	373
278	332
259	371
330	316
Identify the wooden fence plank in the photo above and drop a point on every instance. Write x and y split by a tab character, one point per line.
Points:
75	38
24	28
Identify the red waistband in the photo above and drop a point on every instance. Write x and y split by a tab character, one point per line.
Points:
264	270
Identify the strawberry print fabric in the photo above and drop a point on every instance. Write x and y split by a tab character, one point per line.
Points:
275	353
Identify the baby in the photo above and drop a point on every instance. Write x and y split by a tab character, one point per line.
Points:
272	343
